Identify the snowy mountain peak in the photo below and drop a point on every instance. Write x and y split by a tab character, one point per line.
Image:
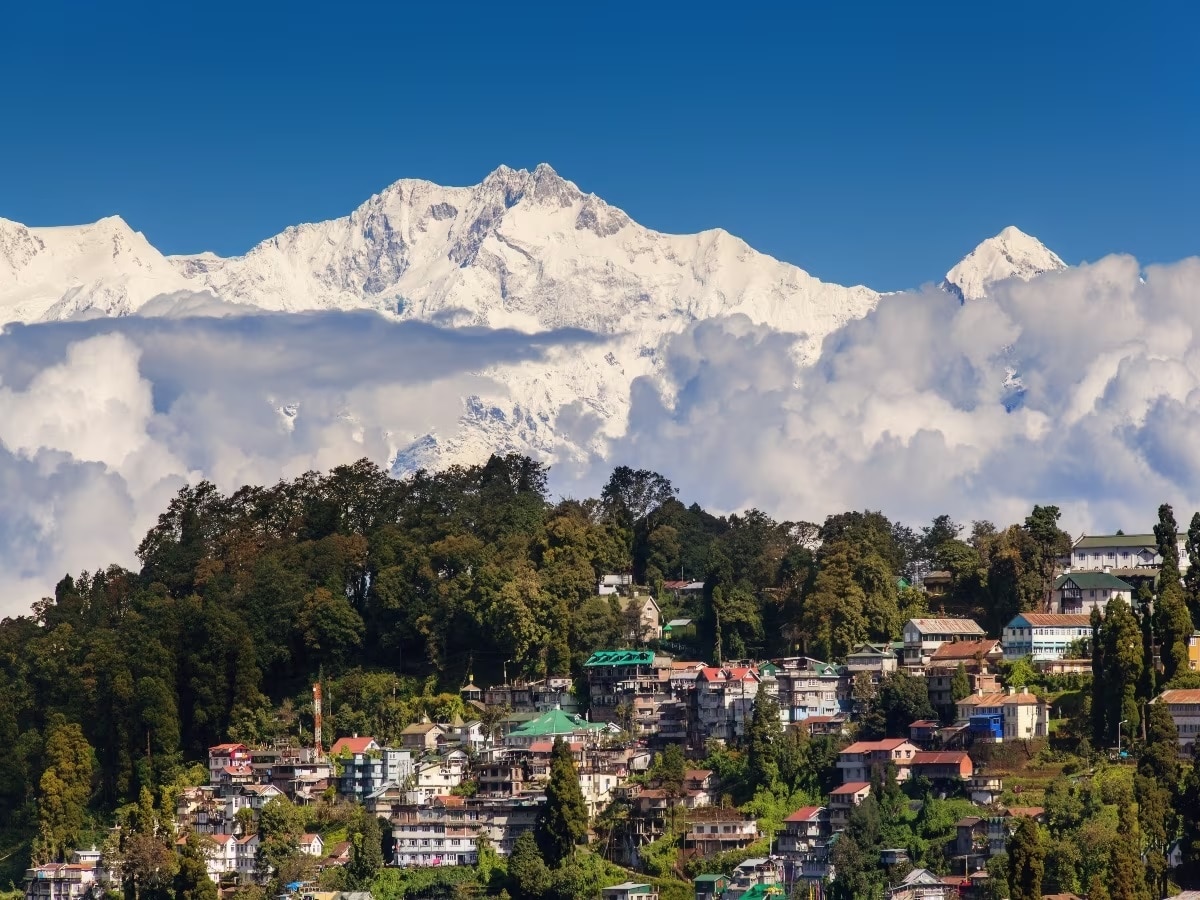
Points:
1010	254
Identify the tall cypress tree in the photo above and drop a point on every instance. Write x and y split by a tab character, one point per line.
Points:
1191	580
1172	621
1026	862
1123	668
1099	688
563	821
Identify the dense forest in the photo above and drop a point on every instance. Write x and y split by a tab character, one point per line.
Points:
394	591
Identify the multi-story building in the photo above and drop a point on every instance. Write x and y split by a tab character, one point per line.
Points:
442	835
617	677
804	844
980	659
556	724
1044	636
1122	553
723	703
710	836
225	756
629	890
645	617
365	773
842	801
809	687
922	637
943	765
74	880
1184	707
1082	591
1005	716
876	659
863	759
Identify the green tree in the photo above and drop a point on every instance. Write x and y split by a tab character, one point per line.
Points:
902	699
64	789
1123	659
563	820
280	828
765	735
960	684
1191	580
366	852
1026	862
1051	543
527	870
1172	620
191	880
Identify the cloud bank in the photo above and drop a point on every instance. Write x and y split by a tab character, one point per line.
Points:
1080	388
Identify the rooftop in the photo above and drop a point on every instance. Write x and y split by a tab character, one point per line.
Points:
1086	581
939	757
946	626
851	787
1088	542
965	650
805	814
1180	696
621	658
1050	620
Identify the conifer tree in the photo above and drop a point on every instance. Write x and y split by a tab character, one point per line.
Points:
1026	862
960	684
1172	621
764	737
1191	580
563	820
1123	668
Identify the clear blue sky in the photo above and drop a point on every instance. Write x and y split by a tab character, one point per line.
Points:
866	142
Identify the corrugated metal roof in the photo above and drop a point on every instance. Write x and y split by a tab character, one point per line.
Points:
947	626
1089	542
1086	581
1053	620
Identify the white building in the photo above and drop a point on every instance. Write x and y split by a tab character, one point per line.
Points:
1184	707
73	880
1020	715
1044	636
1121	551
923	636
724	701
1082	591
807	687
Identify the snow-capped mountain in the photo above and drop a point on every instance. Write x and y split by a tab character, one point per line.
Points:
522	250
1010	254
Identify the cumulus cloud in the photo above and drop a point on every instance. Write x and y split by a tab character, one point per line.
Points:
1080	388
103	420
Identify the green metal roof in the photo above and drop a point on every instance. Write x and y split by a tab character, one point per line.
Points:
1092	581
709	879
553	723
621	658
1089	542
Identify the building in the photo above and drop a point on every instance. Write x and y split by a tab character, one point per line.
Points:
922	637
616	678
1082	591
649	617
842	801
921	884
862	759
226	756
556	724
710	887
723	702
943	765
877	659
1122	553
74	880
630	890
755	879
802	830
423	737
347	746
808	687
1005	716
1044	636
312	845
365	773
726	830
610	584
1184	707
440	835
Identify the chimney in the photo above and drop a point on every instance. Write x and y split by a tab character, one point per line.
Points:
979	691
1012	689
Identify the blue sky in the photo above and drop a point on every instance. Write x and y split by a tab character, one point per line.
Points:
871	143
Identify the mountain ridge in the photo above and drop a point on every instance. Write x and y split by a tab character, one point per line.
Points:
525	250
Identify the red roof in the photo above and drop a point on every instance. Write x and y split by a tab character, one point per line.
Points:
805	814
735	673
939	757
696	774
238	770
351	745
548	746
965	650
225	749
1025	812
1181	695
851	787
874	746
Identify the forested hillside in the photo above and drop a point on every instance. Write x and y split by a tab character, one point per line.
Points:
395	591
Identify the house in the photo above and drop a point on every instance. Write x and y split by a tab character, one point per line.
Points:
921	884
629	890
810	687
979	659
754	879
611	584
617	677
365	773
922	637
224	756
710	887
726	830
877	659
312	845
1005	716
924	732
814	725
971	839
1082	591
842	801
442	834
81	877
347	746
862	759
723	702
423	736
802	830
943	765
556	724
648	617
1122	553
677	629
1044	636
1184	707
937	583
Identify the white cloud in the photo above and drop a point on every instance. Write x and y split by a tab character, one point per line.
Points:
1080	388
